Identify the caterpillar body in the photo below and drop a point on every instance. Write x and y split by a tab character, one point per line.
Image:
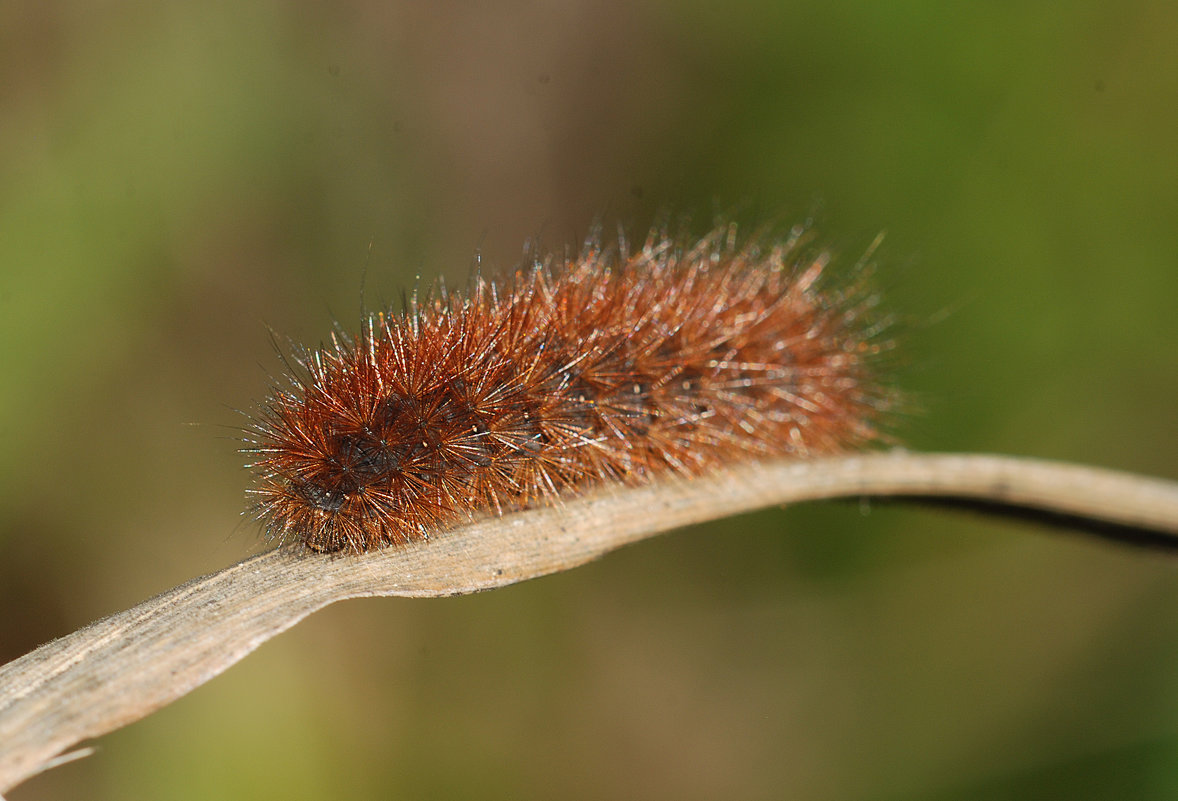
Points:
566	374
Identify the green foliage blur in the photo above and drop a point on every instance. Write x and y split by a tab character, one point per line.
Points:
177	177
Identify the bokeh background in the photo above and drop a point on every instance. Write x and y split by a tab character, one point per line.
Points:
176	177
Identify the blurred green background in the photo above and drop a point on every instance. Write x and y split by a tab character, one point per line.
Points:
176	177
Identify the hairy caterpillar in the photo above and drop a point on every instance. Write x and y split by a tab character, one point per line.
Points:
567	373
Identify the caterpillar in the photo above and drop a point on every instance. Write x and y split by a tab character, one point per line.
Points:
567	374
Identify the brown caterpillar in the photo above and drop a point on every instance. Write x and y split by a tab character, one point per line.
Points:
564	375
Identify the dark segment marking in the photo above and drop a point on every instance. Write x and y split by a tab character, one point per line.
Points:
319	497
364	456
392	410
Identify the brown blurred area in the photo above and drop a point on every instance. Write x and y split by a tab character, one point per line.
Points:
176	178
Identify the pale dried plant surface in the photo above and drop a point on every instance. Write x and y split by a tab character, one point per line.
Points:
125	666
